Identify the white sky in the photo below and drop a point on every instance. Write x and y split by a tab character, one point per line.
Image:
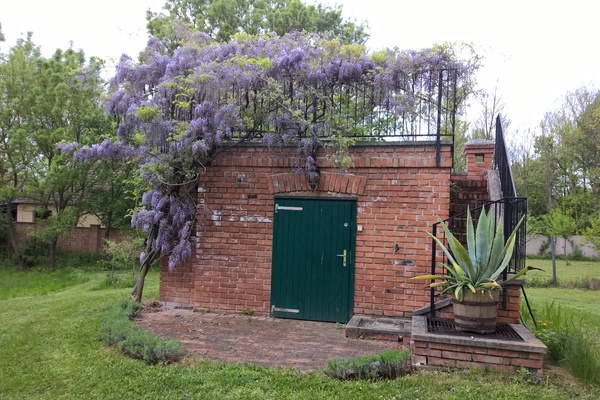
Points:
535	50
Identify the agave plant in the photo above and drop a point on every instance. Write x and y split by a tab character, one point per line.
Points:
478	266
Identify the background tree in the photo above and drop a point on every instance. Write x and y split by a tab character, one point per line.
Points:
592	234
67	109
17	152
110	193
586	146
491	105
46	101
222	19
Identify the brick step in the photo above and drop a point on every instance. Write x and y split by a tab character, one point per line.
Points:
378	328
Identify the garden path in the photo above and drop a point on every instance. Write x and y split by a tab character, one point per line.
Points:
258	340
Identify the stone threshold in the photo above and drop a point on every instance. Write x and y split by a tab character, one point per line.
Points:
378	328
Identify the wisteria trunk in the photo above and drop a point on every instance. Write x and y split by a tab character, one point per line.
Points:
136	294
151	256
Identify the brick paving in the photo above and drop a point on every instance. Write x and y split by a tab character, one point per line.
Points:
269	342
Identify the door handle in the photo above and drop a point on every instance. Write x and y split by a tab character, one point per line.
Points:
344	257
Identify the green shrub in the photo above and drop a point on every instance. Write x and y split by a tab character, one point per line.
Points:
115	329
580	283
561	257
34	253
386	365
118	330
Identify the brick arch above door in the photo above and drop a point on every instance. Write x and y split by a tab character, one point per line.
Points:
329	182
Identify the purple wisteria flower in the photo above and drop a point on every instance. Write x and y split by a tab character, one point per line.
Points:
175	111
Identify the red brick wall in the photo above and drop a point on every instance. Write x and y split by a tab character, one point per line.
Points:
81	240
469	356
400	194
470	189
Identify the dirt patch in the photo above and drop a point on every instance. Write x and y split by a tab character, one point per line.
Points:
269	342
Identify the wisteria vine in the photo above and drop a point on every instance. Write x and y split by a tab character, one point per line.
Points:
176	111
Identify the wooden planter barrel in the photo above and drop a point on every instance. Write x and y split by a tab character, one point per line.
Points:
477	312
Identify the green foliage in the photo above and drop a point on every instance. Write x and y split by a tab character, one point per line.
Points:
568	342
389	364
592	234
57	225
118	330
223	19
122	256
479	265
559	168
338	152
47	101
558	223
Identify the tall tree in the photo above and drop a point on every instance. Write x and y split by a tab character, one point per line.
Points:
491	105
45	101
587	147
17	152
67	109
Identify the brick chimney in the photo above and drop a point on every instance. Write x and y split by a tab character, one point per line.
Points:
480	158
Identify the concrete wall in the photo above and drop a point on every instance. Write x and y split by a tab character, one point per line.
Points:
535	243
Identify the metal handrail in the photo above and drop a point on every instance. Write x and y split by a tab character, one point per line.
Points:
502	162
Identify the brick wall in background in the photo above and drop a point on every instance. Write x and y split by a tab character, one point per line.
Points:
81	240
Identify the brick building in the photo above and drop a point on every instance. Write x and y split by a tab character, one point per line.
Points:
268	243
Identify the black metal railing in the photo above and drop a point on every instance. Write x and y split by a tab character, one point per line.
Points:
420	107
502	162
508	211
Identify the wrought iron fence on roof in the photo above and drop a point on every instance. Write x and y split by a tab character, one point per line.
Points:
423	109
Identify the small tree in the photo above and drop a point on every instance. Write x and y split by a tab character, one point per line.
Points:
558	224
123	255
591	234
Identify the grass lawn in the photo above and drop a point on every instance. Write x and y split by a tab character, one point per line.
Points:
577	270
50	349
34	283
582	303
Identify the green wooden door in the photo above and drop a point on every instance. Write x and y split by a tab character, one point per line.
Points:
313	259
